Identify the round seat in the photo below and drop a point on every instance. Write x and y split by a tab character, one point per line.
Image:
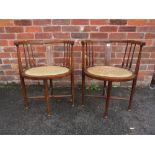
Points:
47	71
109	73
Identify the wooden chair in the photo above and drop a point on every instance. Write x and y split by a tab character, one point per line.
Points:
126	71
31	68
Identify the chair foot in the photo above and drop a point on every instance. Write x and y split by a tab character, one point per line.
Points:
129	109
49	115
105	116
82	102
26	108
71	100
82	105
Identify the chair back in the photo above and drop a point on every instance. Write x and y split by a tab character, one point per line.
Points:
122	53
32	53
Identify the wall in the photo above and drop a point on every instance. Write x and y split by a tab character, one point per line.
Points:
75	29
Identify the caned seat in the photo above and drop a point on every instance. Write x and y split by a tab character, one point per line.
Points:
43	71
109	72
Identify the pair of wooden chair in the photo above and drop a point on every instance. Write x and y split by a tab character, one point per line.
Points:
33	67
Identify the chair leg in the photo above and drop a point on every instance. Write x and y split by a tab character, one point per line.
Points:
83	88
48	107
51	86
72	88
104	88
108	99
24	92
132	93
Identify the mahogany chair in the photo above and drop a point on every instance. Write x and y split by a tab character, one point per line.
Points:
126	71
34	68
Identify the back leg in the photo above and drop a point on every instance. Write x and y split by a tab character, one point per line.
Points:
132	93
83	88
24	93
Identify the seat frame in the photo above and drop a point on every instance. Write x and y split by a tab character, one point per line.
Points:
29	55
47	76
115	79
88	61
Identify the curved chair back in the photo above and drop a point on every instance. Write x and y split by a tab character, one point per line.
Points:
34	53
130	50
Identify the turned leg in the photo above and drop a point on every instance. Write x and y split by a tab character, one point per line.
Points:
83	88
132	93
51	86
24	93
108	99
48	107
104	88
72	88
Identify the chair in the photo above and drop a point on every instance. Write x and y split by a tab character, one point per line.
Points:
126	71
35	63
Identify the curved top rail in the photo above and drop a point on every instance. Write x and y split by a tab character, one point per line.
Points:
42	42
113	41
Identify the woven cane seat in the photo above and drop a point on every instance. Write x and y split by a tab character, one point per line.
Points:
109	71
43	71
